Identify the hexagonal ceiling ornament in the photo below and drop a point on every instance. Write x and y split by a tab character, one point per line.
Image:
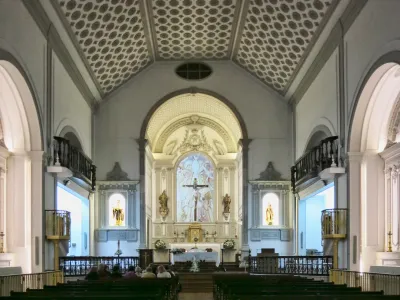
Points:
268	38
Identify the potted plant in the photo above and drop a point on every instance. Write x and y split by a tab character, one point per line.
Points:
160	245
229	244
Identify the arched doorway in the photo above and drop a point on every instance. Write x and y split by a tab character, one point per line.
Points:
371	214
199	139
22	171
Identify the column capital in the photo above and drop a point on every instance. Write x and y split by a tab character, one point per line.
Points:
36	155
142	144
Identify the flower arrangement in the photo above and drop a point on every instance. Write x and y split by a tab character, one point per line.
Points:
118	252
159	244
229	244
195	266
178	251
209	250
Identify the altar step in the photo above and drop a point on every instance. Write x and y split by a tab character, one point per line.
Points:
196	282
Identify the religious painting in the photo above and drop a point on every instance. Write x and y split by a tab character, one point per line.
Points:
270	210
195	189
116	210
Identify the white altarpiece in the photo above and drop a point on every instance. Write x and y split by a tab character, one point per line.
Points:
391	156
217	176
116	217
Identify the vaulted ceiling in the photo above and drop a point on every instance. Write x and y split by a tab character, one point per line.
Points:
268	38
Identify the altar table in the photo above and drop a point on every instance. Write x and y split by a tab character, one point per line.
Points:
208	256
188	256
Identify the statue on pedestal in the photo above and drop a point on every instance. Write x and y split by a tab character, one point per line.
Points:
118	214
163	199
227	203
269	218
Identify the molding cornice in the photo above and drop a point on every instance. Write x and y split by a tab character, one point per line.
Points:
332	42
39	15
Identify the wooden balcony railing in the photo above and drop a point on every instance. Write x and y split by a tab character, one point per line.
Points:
334	223
58	225
70	157
323	156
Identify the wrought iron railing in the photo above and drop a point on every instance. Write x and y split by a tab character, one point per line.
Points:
80	265
58	224
70	157
369	282
308	166
295	265
334	223
19	283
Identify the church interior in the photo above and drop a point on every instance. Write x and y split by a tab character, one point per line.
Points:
208	137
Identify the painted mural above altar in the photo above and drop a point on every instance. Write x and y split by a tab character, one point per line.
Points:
195	189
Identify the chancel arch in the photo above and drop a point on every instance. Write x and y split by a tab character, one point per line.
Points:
373	177
21	166
192	164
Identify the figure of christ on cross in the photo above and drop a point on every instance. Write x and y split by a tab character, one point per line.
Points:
196	187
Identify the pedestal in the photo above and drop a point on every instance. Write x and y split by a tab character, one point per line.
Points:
145	257
161	256
6	260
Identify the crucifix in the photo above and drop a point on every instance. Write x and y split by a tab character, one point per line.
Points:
196	188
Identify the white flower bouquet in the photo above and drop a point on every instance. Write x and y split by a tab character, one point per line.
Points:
118	252
229	244
159	244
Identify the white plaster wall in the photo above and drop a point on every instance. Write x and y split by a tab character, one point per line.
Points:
119	120
20	36
70	108
318	105
373	34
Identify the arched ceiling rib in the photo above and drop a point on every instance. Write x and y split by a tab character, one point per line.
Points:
202	106
120	38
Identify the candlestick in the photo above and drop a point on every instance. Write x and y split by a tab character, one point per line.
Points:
1	242
389	241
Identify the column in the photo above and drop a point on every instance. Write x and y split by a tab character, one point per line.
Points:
37	211
2	204
256	206
142	152
245	175
373	212
354	208
92	226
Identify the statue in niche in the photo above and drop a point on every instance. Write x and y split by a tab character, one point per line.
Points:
118	214
270	174
269	216
227	203
164	210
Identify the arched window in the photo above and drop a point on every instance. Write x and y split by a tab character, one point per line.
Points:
195	189
116	210
270	213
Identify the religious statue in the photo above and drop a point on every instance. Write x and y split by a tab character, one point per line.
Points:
269	214
164	210
118	214
227	203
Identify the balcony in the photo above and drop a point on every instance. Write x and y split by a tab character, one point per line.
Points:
58	225
321	162
70	162
334	223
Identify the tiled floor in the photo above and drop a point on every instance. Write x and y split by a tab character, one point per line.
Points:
195	296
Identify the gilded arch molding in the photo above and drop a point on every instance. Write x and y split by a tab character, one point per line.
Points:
160	142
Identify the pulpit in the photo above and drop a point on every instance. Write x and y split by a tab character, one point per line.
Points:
145	257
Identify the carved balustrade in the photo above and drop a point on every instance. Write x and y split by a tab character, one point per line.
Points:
70	157
307	167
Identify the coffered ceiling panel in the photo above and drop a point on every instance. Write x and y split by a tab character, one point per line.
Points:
268	38
275	36
110	33
193	29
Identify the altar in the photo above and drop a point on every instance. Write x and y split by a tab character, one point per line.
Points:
199	255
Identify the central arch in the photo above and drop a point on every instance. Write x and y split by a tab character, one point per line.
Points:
232	130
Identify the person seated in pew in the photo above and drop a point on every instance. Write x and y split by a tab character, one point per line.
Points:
148	273
103	272
116	272
169	269
131	273
138	271
92	275
162	273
